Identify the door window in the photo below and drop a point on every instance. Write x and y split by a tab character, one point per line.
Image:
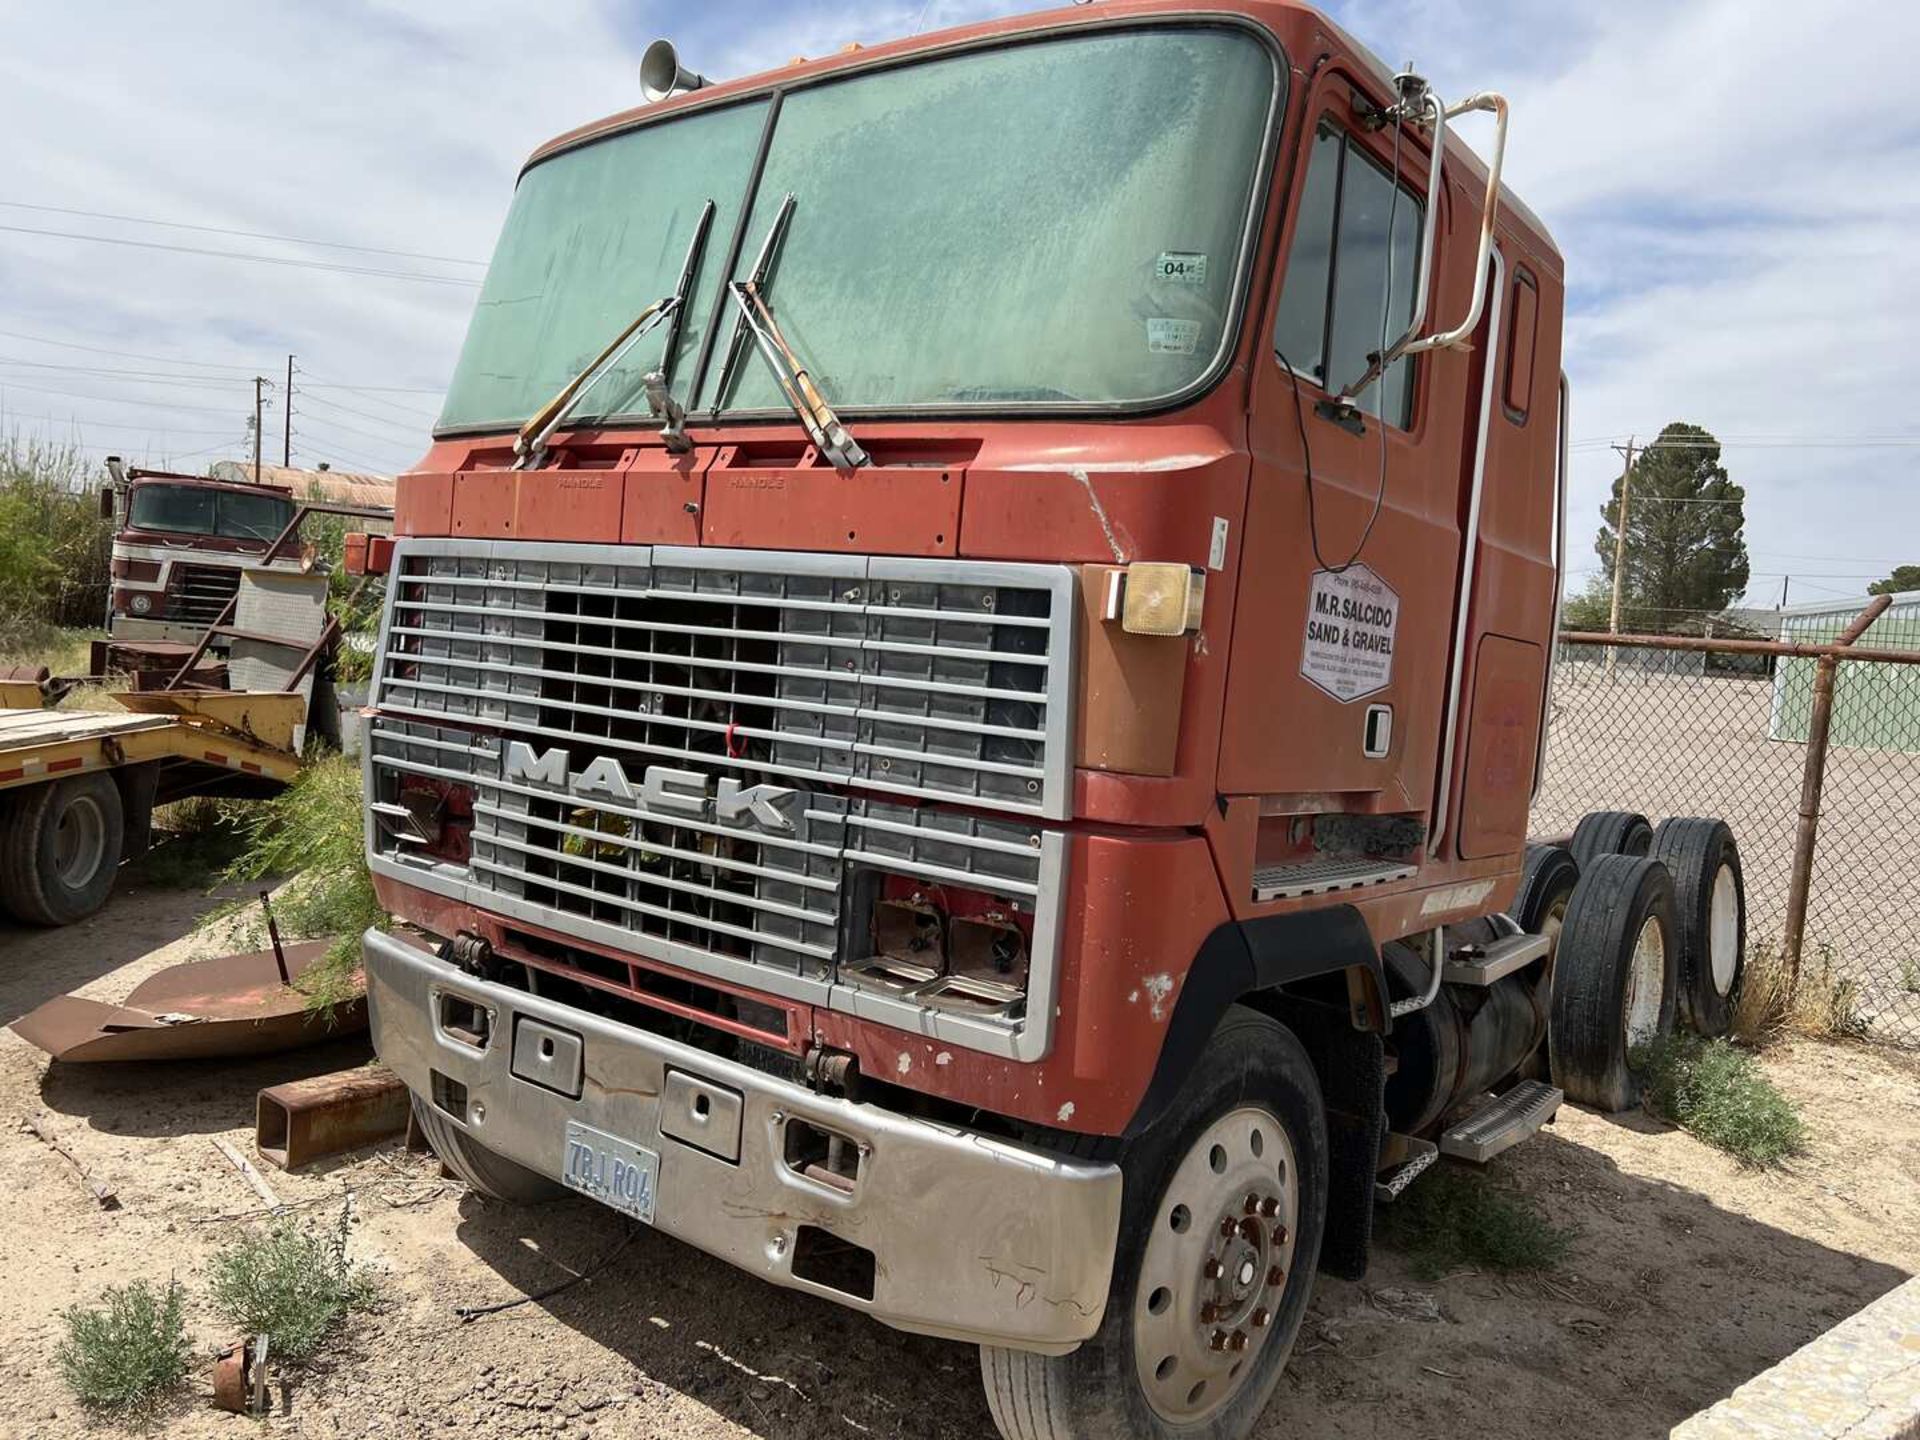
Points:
1350	276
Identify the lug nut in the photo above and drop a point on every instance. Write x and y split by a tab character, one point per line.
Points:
1229	1227
1270	1207
1279	1234
1217	1341
1213	1269
1252	1203
1276	1276
1209	1313
1238	1341
1262	1319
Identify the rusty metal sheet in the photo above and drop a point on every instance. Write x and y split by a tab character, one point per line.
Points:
305	1120
229	1005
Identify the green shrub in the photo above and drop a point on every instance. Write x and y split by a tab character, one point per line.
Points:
125	1353
313	831
54	545
292	1282
1449	1220
1715	1090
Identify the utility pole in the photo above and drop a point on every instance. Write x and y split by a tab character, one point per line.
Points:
1619	547
1785	580
259	384
286	433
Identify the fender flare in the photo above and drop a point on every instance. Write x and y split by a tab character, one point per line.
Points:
1240	957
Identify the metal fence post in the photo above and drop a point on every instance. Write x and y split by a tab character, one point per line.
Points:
1813	776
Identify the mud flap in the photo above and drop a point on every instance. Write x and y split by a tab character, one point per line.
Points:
1352	1067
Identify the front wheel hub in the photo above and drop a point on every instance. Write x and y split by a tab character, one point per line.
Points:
1215	1265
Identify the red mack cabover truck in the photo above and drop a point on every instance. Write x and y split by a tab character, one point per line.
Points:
961	686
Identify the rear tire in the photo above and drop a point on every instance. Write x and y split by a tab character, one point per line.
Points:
487	1174
1540	905
60	847
1610	832
1616	979
1150	1370
1710	918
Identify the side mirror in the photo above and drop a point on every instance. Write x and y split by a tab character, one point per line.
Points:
106	502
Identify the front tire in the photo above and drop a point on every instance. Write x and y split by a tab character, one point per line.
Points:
489	1175
60	848
1224	1205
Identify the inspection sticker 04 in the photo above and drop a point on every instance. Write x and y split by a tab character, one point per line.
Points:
1182	267
613	1171
1172	337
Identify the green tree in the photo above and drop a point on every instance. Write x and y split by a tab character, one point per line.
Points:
1686	553
1904	577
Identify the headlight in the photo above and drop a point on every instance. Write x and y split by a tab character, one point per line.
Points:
141	604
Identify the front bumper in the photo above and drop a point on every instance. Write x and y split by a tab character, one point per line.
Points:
972	1238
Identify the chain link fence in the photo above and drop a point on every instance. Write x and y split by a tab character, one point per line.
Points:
1735	729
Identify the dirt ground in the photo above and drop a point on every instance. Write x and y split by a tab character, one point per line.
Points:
1687	1277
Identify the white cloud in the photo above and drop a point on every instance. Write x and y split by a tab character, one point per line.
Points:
1736	194
1735	191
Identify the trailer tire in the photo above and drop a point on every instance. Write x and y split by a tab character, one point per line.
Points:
1710	918
1615	980
487	1174
1257	1081
60	847
1610	832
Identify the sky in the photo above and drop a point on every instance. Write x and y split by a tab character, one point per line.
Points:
1735	186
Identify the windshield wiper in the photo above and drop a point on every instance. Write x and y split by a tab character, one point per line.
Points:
531	443
823	427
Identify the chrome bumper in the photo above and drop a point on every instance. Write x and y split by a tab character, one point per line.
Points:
973	1238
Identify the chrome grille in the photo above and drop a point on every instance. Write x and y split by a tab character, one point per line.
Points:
934	679
201	592
750	667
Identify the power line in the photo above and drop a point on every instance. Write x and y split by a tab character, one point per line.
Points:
244	255
409	427
142	377
78	423
241	234
122	354
328	420
6	384
372	394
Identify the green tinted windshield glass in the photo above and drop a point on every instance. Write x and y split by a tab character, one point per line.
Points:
1054	221
1057	221
593	236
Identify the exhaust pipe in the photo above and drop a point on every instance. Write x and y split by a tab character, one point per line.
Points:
662	75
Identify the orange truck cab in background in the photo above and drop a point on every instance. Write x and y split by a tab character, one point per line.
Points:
1336	753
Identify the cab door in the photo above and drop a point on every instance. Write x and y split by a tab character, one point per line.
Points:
1338	679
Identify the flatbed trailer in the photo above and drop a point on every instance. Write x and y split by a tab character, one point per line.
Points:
78	787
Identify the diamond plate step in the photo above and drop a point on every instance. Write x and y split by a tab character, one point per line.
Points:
1484	964
1324	876
1504	1122
1421	1154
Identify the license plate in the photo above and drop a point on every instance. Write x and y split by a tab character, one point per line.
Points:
611	1170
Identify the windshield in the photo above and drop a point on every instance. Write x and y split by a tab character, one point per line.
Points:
1057	221
203	510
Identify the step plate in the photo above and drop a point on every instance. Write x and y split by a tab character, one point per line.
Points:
1325	876
1503	1123
1485	964
1391	1185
